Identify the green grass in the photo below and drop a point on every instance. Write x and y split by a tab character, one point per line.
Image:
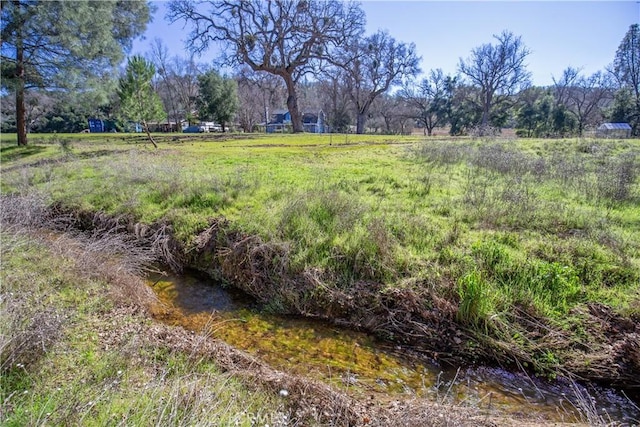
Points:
68	357
544	226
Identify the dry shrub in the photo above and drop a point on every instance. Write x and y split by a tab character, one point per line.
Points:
27	326
612	354
28	329
159	238
112	258
256	267
30	211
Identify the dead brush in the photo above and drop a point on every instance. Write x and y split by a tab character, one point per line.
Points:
256	267
28	329
28	212
615	178
443	153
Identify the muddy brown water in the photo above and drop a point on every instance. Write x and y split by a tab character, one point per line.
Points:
364	367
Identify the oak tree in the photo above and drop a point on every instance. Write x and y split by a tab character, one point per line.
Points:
498	71
429	100
280	37
584	97
371	66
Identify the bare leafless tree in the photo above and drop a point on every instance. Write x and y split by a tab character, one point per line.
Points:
428	100
371	66
259	94
250	112
498	70
584	97
279	37
335	100
178	82
394	114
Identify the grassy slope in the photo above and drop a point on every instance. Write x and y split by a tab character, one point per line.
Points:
528	228
76	351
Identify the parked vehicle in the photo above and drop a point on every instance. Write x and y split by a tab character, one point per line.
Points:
193	129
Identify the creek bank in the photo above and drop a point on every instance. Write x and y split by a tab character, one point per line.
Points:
414	318
363	367
418	318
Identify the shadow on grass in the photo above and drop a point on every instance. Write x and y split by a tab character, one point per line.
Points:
11	153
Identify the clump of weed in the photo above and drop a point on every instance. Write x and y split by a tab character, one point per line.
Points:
616	176
475	305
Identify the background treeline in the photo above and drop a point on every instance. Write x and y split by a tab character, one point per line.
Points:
361	83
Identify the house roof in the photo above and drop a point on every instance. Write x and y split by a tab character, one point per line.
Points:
614	126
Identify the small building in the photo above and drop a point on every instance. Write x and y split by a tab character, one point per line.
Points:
314	123
101	126
96	126
280	122
311	122
614	130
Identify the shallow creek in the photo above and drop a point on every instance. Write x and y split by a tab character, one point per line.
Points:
356	362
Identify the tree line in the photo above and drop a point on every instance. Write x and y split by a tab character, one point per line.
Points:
305	55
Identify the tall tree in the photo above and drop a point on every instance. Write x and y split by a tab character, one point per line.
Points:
177	84
139	101
533	112
258	94
626	68
497	70
585	97
335	101
371	66
62	44
394	113
429	100
250	112
279	37
218	98
463	112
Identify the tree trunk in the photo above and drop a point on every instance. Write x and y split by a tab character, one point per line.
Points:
146	129
360	122
486	108
21	111
292	105
363	112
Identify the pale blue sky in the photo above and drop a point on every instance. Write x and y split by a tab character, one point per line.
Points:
583	34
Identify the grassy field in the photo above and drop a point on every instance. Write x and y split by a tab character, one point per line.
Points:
525	250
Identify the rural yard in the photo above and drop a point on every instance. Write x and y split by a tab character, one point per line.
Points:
320	279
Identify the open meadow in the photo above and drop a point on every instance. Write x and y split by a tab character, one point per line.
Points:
523	253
